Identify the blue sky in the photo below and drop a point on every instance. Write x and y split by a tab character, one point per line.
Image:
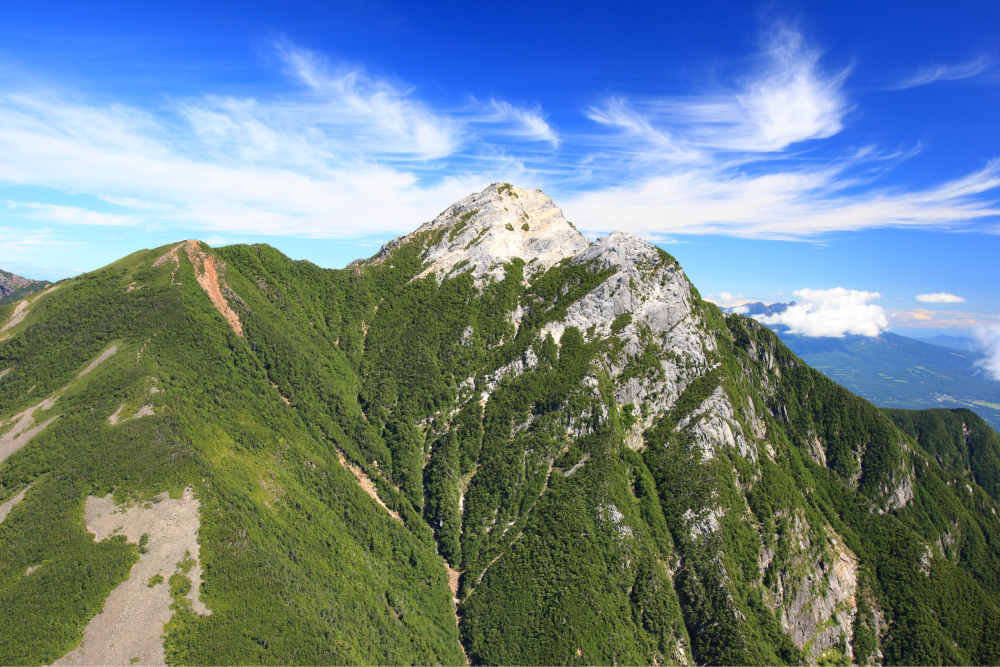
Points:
771	147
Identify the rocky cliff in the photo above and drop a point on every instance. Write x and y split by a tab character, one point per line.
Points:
10	283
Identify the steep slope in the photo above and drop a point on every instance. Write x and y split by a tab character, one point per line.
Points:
605	467
299	564
959	440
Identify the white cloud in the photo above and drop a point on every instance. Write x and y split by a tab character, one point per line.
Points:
74	215
233	166
832	313
988	338
940	319
373	109
789	99
725	299
928	75
348	154
720	163
940	297
792	204
529	124
344	153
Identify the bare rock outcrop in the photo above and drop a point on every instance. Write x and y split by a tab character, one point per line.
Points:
814	591
484	231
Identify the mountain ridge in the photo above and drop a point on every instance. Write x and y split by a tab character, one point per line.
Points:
614	470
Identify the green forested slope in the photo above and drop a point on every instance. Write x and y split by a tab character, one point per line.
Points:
301	567
961	441
619	472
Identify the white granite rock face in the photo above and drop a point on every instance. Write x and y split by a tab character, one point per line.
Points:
657	294
815	595
713	425
486	231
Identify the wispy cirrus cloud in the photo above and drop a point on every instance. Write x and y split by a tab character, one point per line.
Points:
924	318
725	162
795	203
73	215
928	75
367	109
343	152
788	99
519	122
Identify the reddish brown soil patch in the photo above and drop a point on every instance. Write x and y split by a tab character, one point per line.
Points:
207	276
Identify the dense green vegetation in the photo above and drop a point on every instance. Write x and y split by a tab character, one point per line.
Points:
940	610
505	454
959	440
313	554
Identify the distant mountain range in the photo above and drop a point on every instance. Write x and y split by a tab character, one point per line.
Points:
954	342
14	287
894	371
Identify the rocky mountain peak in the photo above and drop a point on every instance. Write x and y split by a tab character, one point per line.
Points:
484	231
10	282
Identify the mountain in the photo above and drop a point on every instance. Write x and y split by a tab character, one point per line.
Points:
14	287
899	372
896	371
954	342
759	308
959	440
493	441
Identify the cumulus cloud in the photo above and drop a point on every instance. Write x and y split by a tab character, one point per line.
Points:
832	313
988	338
927	75
940	297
